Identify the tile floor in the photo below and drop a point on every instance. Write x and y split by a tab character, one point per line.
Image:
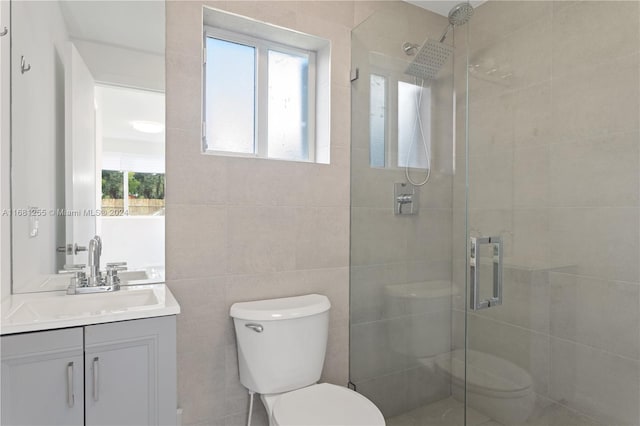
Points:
450	412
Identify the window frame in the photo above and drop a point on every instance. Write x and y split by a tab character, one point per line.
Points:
392	134
261	88
387	123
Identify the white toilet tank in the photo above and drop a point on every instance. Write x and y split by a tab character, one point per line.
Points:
281	342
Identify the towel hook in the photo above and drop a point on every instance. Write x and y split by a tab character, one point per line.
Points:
24	67
4	32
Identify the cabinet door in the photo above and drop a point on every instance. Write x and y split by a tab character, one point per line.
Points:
42	378
130	376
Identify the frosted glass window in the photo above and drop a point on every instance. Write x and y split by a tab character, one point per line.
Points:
377	120
230	96
288	106
411	106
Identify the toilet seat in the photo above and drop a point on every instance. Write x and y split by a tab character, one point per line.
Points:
324	405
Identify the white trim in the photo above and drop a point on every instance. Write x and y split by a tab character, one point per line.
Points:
125	190
387	133
311	108
260	138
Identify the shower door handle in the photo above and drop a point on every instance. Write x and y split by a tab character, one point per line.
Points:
474	273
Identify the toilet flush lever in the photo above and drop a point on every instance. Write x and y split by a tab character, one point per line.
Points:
255	327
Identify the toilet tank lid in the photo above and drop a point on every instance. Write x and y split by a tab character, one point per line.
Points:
281	309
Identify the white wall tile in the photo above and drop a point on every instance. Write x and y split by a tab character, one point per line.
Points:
599	242
588	310
581	36
196	241
595	172
247	224
183	91
377	236
597	100
263	239
322	237
594	382
387	392
373	351
187	161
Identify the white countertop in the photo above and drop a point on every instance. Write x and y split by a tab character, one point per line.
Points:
56	309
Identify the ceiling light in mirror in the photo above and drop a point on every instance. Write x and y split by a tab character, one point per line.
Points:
147	126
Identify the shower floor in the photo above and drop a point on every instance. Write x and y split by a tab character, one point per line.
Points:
450	412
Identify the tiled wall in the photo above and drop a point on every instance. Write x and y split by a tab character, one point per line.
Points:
391	332
554	169
554	154
245	229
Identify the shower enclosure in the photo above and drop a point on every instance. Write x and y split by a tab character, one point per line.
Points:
506	289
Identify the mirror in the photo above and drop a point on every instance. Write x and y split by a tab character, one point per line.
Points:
87	138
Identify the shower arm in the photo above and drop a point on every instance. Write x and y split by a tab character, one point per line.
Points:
446	31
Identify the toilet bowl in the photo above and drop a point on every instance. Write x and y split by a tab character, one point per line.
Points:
495	386
281	350
322	404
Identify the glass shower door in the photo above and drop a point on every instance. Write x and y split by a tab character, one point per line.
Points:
546	215
401	239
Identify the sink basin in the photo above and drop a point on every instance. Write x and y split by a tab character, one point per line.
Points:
90	304
38	311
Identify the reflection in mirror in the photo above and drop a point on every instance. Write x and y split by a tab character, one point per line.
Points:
132	176
87	144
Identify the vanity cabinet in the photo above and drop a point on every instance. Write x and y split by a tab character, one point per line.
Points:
121	373
130	372
42	378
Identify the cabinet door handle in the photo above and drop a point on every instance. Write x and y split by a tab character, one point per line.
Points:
70	398
96	378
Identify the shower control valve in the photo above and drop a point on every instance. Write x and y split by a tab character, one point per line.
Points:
405	199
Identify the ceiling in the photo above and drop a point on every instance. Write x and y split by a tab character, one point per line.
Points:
441	7
137	25
119	106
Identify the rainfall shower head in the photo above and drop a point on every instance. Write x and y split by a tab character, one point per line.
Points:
433	55
429	60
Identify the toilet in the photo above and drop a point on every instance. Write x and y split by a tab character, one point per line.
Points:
281	349
420	313
494	386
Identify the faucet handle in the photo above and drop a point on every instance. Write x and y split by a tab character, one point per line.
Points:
116	266
112	278
69	269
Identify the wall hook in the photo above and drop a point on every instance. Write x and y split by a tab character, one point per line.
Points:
4	32
24	67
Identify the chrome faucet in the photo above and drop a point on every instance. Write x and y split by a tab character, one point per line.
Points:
95	281
93	262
